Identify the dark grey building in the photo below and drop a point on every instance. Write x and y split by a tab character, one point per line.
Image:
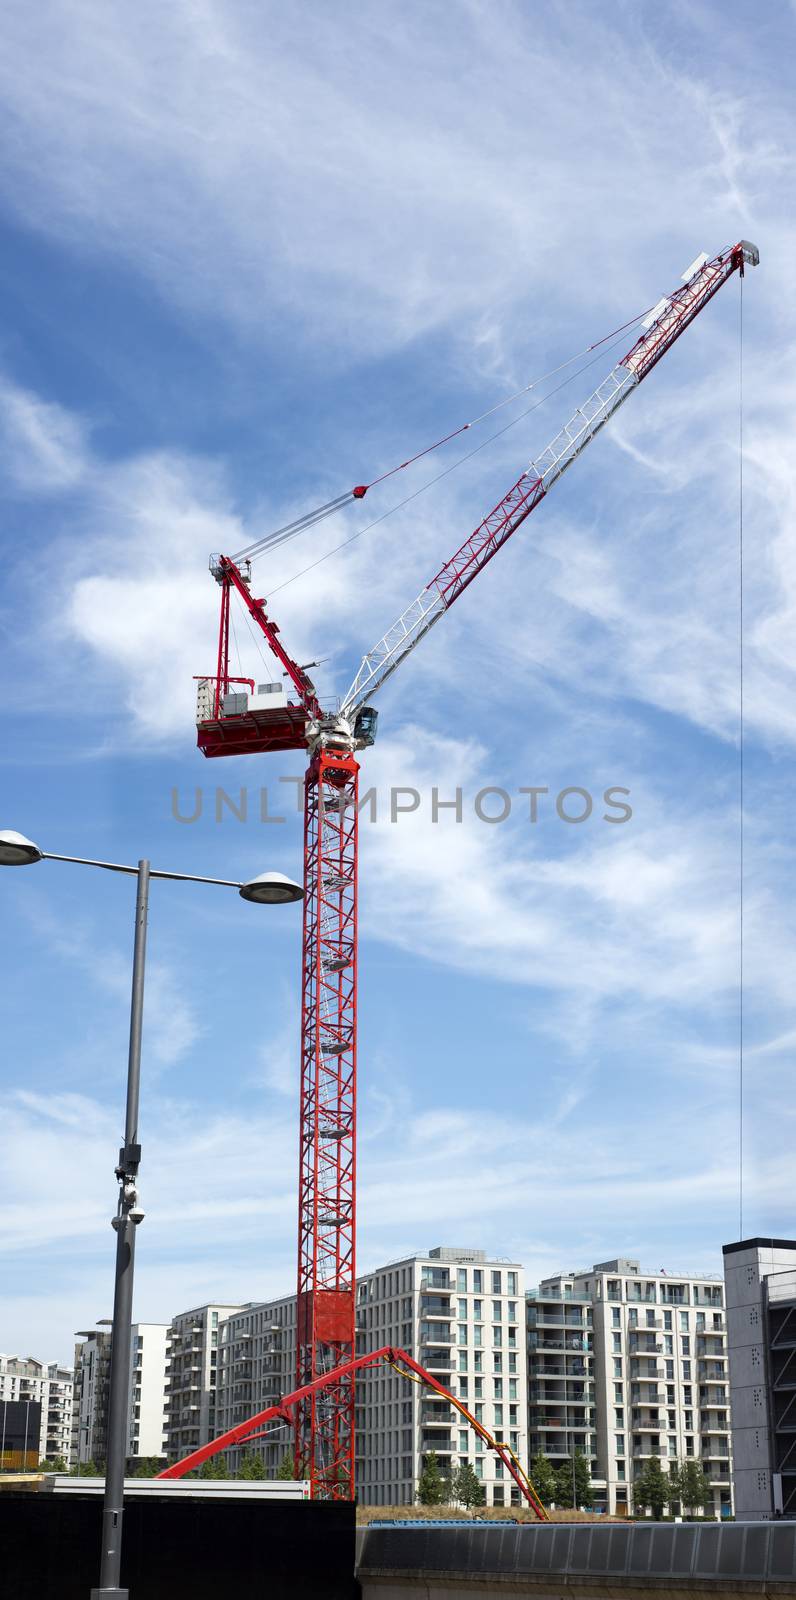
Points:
760	1279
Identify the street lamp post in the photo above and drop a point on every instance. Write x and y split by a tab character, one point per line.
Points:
269	888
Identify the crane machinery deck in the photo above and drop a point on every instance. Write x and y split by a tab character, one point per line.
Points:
268	718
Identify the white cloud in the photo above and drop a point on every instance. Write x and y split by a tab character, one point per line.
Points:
43	447
245	162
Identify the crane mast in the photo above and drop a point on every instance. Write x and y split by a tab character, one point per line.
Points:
326	1279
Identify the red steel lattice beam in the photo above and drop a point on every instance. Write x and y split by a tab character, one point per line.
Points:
324	1419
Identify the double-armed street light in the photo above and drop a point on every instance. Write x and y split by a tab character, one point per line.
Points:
269	888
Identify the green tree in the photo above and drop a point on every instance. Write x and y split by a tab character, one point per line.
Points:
543	1478
251	1466
573	1473
214	1468
432	1487
695	1491
148	1467
466	1488
287	1466
86	1469
654	1489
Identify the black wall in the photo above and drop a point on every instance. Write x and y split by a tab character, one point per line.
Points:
179	1549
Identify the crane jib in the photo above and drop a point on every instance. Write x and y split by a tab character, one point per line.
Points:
670	318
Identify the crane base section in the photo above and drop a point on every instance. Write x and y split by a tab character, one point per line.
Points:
253	732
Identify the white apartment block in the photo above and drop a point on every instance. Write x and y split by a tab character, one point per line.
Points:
46	1384
256	1367
461	1316
150	1357
659	1357
190	1406
561	1397
760	1280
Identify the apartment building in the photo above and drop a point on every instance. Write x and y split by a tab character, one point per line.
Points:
45	1385
150	1361
256	1366
760	1280
658	1356
461	1315
90	1396
561	1385
190	1404
149	1357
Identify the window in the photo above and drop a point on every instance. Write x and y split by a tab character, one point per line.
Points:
632	1317
497	1338
461	1280
512	1388
462	1332
619	1444
497	1283
667	1319
478	1388
683	1321
214	1319
688	1421
686	1369
512	1362
672	1444
651	1319
498	1416
687	1394
618	1397
478	1280
463	1440
669	1369
462	1386
700	1322
619	1416
616	1342
512	1311
616	1317
497	1362
497	1311
479	1413
498	1469
620	1471
513	1417
497	1384
462	1311
512	1282
685	1343
478	1334
462	1360
478	1361
478	1310
617	1366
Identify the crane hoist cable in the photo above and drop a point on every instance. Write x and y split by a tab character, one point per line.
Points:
308	519
429	484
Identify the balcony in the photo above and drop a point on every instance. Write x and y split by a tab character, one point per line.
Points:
440	1443
435	1305
435	1336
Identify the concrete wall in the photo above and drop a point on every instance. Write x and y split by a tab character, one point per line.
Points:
746	1266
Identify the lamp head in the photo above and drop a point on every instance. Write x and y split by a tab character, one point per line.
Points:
271	889
16	850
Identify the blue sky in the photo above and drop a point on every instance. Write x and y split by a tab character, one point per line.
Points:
252	255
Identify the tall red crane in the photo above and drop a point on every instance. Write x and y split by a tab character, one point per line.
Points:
234	722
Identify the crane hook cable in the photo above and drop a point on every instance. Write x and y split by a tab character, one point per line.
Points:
289	530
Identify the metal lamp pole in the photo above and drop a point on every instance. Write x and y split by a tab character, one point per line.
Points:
269	888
